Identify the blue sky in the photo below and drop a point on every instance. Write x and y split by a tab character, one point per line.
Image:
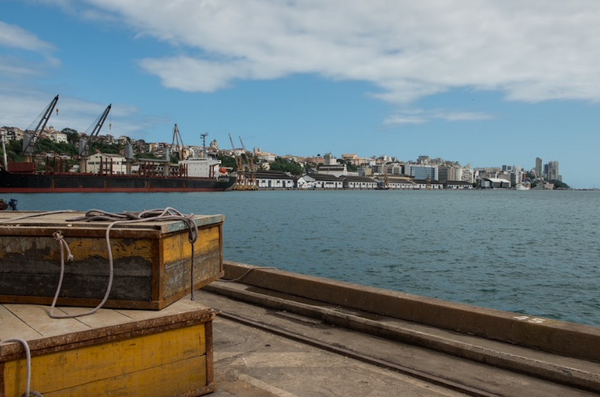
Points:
486	83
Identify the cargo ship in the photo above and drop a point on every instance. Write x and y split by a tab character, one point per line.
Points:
109	174
188	179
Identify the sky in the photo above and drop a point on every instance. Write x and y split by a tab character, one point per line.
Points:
485	83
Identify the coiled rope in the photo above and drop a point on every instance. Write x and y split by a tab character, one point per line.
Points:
28	391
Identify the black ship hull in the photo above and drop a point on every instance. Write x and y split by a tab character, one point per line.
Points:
12	182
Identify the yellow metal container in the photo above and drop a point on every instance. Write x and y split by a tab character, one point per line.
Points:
114	352
152	261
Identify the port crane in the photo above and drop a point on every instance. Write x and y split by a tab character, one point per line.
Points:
85	143
177	145
31	136
251	171
238	160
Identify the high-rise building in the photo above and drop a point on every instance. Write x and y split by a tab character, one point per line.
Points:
538	167
422	172
553	172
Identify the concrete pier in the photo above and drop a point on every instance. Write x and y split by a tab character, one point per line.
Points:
458	348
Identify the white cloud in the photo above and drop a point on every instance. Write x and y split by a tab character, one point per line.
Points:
420	116
531	51
16	37
408	50
399	119
461	116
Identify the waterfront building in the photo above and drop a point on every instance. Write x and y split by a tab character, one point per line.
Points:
399	181
422	172
495	183
336	170
107	164
468	175
449	172
428	184
320	181
359	182
457	185
274	180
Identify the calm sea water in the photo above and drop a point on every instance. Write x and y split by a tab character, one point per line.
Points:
533	252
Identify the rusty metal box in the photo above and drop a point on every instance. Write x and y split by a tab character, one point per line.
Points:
152	261
114	352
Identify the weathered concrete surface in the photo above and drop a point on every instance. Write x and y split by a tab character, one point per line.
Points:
573	340
316	298
250	361
253	363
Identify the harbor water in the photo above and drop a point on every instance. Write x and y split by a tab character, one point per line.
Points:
535	253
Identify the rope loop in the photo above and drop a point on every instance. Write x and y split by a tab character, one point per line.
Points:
167	214
63	245
23	342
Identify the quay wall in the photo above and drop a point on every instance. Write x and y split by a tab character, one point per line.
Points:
559	337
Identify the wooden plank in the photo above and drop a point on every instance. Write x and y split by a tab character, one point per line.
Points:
134	365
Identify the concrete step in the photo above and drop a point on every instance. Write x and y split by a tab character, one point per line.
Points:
573	372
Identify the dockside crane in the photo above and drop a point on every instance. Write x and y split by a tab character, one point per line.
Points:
31	136
251	171
238	162
177	145
85	143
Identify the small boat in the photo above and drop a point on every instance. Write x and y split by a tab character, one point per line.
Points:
520	186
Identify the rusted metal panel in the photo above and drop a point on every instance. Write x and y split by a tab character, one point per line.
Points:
142	353
152	261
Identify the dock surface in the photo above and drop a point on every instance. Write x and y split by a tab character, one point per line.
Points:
261	351
273	343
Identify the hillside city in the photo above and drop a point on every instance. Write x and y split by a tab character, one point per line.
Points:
269	170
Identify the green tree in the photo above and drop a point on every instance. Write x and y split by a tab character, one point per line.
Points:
559	184
146	155
285	165
72	135
228	161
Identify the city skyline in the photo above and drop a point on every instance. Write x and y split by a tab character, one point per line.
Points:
485	83
549	171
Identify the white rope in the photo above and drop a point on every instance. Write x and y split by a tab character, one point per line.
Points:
119	219
94	215
28	391
35	215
